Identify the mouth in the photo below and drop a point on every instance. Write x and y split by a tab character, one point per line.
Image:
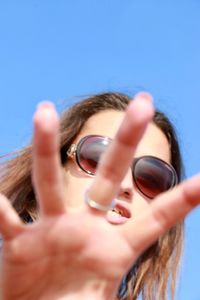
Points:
119	214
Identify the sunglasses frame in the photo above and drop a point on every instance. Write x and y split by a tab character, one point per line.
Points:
73	152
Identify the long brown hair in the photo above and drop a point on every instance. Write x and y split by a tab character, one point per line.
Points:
157	267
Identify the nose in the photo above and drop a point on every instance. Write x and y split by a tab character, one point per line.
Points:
126	187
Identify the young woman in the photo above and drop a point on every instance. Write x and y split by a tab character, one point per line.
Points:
82	232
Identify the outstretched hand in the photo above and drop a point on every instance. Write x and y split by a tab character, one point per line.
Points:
78	254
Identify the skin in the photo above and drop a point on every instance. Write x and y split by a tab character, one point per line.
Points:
61	255
106	123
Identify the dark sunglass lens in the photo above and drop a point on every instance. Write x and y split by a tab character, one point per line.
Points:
153	176
90	151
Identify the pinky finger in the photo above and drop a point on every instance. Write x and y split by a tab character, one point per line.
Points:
10	223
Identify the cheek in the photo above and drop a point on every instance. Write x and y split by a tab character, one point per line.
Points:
75	183
139	204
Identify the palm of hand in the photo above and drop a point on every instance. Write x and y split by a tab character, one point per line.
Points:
49	256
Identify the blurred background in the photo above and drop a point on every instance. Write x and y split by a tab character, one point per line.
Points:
66	50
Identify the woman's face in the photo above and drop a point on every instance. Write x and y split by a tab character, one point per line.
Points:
106	123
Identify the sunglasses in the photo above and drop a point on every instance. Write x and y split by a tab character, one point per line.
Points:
151	175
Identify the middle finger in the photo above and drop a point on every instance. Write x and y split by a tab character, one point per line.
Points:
47	170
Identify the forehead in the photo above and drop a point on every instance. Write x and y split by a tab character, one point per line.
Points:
106	123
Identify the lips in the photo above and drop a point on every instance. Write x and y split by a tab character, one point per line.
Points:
120	214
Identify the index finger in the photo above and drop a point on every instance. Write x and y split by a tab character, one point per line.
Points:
118	158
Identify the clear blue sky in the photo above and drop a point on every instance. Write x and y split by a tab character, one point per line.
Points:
60	50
